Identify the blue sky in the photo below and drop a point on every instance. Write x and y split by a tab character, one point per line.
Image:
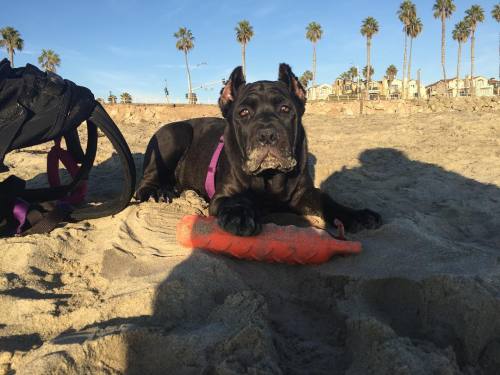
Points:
128	45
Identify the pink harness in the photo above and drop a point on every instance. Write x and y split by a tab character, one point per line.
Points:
56	154
212	168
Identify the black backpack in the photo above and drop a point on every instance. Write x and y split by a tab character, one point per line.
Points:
38	107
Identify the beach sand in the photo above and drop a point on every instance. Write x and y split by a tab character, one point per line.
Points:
118	295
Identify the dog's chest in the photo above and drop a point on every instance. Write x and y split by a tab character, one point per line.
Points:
271	188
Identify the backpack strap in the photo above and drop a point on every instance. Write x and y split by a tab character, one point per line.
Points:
100	118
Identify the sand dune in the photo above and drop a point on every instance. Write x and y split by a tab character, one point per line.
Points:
118	295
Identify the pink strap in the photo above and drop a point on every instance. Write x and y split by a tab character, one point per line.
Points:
20	211
212	168
56	153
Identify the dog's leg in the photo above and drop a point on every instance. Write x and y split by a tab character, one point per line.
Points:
163	153
237	214
317	203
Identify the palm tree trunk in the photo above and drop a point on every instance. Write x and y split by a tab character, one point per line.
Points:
243	58
472	42
190	93
443	46
409	70
458	66
368	70
11	57
314	64
404	67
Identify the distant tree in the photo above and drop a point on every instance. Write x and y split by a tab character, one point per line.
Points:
111	98
495	12
407	11
365	72
391	72
185	43
244	32
443	9
474	15
12	41
460	33
413	30
344	76
305	78
313	34
126	98
368	29
353	72
49	60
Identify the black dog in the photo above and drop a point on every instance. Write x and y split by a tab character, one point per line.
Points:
263	165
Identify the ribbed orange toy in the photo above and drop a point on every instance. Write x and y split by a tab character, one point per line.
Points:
281	244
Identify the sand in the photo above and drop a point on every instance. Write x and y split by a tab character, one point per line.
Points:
117	295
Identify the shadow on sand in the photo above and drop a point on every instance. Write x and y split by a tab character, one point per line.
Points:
422	298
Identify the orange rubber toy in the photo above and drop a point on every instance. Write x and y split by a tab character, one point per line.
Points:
282	244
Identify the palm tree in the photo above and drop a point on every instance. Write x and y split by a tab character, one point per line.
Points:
365	72
460	33
413	29
474	15
244	32
407	11
111	98
126	98
306	77
391	72
345	76
11	40
49	60
185	43
314	33
368	29
443	9
353	72
495	13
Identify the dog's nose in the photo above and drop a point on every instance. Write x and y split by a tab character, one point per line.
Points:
267	136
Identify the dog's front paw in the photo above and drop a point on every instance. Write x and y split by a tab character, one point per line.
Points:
364	219
239	220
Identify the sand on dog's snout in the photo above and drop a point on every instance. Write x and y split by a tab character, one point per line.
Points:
118	295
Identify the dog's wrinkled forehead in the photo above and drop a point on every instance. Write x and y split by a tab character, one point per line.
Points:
264	91
237	90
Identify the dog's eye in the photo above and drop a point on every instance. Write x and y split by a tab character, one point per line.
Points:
244	112
285	109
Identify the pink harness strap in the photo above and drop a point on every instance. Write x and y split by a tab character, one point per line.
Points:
212	168
56	153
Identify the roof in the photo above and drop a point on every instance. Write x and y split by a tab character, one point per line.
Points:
450	79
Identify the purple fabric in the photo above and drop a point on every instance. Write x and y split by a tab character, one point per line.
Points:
212	168
20	211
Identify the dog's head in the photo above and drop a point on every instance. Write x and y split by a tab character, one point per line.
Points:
265	117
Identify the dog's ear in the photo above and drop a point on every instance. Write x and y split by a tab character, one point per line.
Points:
288	78
230	89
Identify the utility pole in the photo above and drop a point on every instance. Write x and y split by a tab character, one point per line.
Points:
166	91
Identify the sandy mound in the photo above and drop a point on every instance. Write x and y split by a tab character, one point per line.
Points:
117	295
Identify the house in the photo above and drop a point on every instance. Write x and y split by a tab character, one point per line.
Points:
461	87
394	89
319	92
496	85
346	88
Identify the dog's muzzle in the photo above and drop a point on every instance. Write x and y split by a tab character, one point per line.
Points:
268	158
